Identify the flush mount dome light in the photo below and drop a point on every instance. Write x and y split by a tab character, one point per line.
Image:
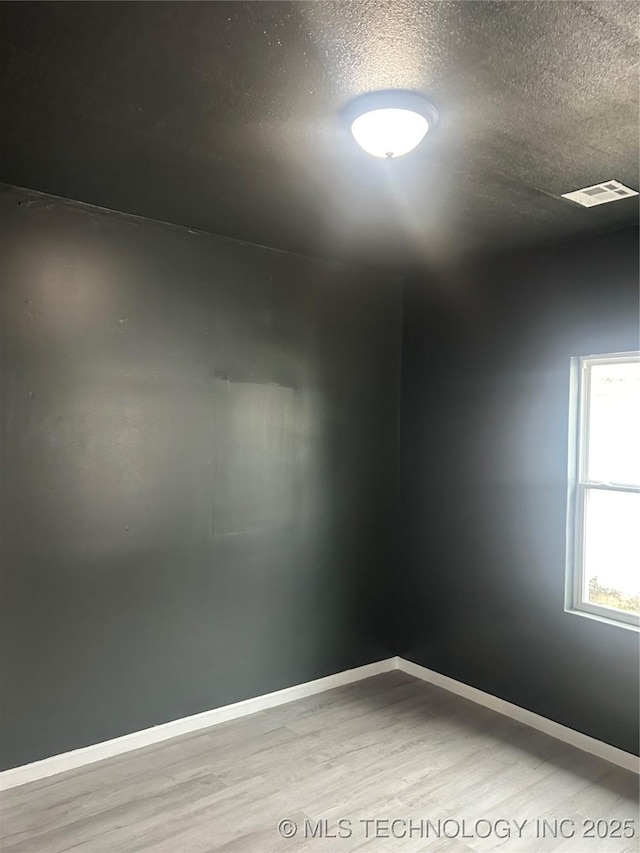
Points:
391	123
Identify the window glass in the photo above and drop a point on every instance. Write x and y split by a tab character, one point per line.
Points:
614	423
612	549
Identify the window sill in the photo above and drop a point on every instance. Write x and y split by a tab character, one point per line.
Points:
619	623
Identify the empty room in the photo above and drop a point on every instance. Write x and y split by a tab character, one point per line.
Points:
320	396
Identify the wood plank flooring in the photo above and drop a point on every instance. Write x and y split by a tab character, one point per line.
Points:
390	764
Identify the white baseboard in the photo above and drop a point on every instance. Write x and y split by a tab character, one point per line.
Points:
96	752
108	748
535	721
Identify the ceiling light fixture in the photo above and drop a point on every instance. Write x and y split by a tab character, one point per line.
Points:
391	123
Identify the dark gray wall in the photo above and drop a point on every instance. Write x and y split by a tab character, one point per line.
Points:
199	472
485	395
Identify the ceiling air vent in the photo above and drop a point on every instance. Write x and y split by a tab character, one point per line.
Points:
600	194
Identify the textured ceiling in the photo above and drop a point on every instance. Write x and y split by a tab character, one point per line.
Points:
223	117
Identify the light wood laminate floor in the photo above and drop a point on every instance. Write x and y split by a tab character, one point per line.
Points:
390	748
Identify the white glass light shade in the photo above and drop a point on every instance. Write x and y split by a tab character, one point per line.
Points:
389	132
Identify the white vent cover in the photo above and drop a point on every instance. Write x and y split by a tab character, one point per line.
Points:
600	194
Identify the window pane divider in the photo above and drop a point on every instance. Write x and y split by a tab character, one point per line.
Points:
610	487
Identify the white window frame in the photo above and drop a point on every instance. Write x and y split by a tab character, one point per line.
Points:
580	485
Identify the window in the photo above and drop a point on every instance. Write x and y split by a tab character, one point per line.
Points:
603	565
